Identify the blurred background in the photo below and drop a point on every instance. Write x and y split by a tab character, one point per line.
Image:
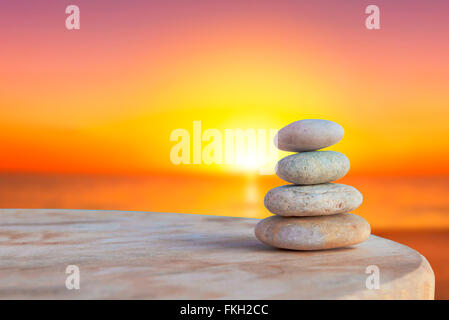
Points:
86	115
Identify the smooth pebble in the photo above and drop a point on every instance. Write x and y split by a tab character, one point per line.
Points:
314	200
313	233
308	135
313	167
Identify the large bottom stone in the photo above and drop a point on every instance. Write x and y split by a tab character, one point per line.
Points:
313	233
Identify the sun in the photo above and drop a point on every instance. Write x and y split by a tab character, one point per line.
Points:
249	161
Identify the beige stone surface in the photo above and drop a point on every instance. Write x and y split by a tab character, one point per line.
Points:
314	200
308	135
125	255
313	233
313	167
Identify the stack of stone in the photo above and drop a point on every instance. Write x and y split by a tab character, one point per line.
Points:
312	213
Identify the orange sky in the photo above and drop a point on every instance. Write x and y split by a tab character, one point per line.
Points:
105	98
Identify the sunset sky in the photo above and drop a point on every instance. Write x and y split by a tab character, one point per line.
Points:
86	115
105	98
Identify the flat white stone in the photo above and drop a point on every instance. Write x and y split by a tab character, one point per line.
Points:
131	255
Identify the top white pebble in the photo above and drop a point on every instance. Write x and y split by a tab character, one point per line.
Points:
308	135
